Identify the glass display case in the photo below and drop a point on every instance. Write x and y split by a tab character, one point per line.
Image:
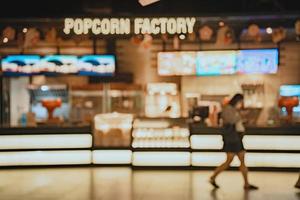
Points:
112	130
89	100
160	133
49	103
162	100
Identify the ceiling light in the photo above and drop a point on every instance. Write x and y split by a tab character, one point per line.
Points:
221	23
269	30
147	2
182	37
5	40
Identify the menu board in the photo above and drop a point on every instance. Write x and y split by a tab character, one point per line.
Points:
64	64
89	65
94	65
257	61
176	63
209	63
215	62
18	65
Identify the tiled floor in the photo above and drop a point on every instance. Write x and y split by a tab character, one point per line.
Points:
125	184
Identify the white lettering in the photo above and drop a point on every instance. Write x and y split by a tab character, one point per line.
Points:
105	26
181	25
124	26
69	24
171	26
154	26
190	23
96	27
146	26
138	25
78	26
114	27
87	25
163	25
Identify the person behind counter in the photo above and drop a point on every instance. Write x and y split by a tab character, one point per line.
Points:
232	138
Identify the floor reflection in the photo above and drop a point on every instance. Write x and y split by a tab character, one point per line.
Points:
125	184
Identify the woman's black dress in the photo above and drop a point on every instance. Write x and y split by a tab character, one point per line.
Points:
232	139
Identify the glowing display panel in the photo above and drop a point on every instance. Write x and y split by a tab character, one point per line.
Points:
215	62
18	65
257	61
97	65
64	64
176	63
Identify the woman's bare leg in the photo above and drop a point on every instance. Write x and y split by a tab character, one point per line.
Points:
224	166
243	168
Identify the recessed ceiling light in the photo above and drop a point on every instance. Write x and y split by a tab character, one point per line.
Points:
269	30
147	2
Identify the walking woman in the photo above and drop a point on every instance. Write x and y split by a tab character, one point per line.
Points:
232	137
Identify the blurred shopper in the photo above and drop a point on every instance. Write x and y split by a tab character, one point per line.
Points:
233	130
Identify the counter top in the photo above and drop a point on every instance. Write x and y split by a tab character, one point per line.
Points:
282	130
45	130
194	129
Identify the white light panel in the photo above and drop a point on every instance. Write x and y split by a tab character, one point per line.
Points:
286	160
45	141
112	157
272	142
161	159
206	142
258	142
22	158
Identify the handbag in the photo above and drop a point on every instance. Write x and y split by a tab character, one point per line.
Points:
239	127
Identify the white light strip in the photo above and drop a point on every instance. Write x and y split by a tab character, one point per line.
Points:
23	158
287	160
251	142
45	141
272	142
206	142
112	157
205	159
161	159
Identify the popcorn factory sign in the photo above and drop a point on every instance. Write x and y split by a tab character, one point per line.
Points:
123	26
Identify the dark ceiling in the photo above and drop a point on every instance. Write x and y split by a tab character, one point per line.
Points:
63	8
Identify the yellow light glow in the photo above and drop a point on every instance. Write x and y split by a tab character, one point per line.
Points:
22	158
112	157
5	40
157	88
150	124
287	160
45	141
161	159
107	121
